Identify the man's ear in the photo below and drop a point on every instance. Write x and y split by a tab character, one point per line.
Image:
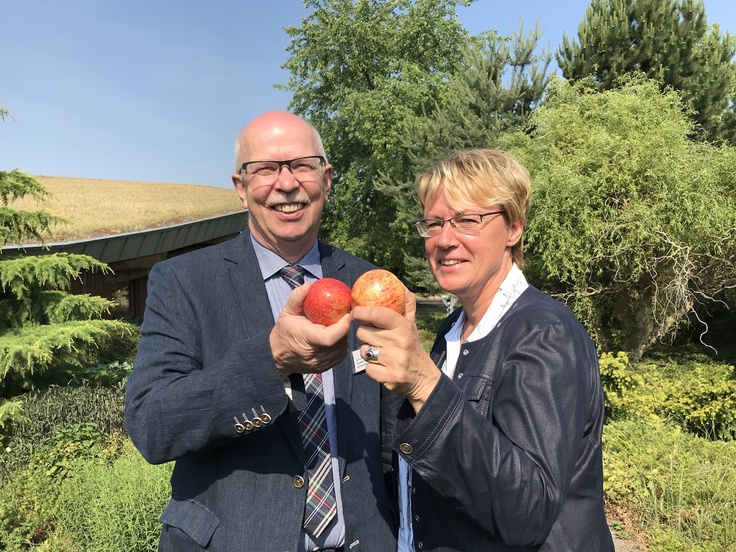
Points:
240	188
328	180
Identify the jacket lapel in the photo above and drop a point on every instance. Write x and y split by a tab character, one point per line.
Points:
247	286
251	298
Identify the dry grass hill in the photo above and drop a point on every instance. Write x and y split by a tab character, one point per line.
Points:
94	207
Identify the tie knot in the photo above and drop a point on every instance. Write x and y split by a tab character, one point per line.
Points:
293	274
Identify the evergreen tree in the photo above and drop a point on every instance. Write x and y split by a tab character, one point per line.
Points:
45	332
499	82
667	40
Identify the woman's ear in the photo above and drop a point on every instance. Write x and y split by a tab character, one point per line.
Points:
515	230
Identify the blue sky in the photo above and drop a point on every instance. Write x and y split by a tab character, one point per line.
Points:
157	90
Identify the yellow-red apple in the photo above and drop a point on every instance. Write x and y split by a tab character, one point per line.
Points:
378	287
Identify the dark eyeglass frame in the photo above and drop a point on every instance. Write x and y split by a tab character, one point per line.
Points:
287	163
423	229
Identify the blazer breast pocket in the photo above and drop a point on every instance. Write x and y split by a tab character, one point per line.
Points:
478	390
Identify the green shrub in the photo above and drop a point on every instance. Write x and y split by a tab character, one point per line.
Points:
109	507
60	408
701	397
620	381
83	491
681	487
30	498
692	390
22	509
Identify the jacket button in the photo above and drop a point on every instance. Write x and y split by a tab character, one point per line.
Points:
465	351
246	425
297	481
265	418
420	545
406	448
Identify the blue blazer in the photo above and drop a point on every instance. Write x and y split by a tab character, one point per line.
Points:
204	366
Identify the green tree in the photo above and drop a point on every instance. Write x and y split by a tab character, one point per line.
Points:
360	70
632	223
44	330
497	85
670	42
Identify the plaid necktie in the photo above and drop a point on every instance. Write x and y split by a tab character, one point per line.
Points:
293	274
321	505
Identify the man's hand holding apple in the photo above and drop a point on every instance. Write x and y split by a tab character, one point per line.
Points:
300	346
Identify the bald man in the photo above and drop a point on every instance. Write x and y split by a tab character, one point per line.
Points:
233	382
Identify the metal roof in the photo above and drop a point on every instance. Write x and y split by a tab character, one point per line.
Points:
131	245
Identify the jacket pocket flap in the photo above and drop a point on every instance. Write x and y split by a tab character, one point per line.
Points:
197	521
475	387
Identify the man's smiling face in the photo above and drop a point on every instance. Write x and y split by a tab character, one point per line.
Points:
285	209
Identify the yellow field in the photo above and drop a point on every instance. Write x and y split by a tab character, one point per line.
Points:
95	207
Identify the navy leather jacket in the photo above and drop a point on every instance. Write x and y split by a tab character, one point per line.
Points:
506	456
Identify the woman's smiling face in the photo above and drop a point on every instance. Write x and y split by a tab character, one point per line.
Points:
470	266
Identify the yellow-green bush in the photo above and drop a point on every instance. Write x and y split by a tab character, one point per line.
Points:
105	501
695	392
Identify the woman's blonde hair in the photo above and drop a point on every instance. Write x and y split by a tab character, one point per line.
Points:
484	178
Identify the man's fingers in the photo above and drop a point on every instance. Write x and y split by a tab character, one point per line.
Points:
329	335
296	299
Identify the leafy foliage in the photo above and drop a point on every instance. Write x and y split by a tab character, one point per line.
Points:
27	514
102	496
137	492
360	70
632	224
499	81
679	487
694	392
670	42
97	399
31	290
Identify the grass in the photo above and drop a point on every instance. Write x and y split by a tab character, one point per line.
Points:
94	207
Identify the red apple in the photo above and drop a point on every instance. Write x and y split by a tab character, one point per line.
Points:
378	287
327	301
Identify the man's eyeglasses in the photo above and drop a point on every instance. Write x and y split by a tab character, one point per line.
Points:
301	167
469	224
